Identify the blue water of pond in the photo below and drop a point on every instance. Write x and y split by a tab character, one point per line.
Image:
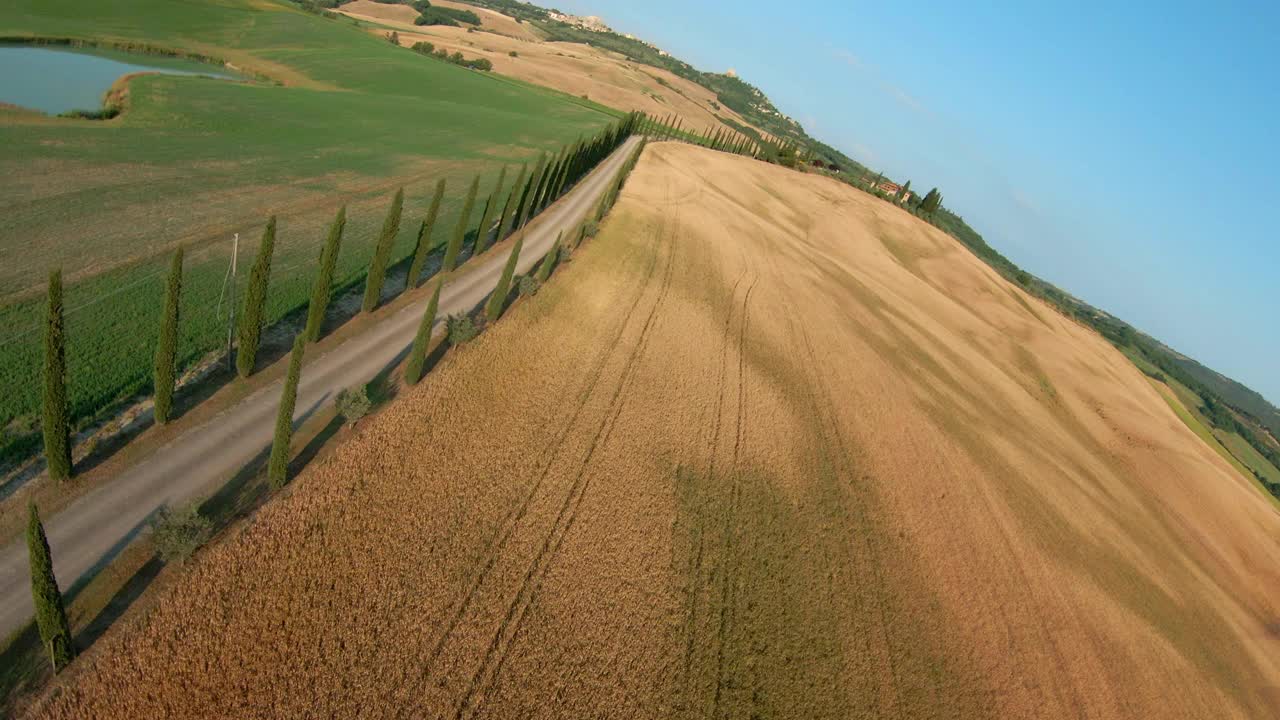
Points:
54	79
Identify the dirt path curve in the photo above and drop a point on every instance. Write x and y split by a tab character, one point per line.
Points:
106	519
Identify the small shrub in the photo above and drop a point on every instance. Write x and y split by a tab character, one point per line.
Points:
528	285
106	113
462	329
590	229
353	403
513	53
394	38
179	533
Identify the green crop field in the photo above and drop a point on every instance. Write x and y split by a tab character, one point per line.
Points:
1248	456
337	116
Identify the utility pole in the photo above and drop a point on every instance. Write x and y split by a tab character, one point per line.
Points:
231	307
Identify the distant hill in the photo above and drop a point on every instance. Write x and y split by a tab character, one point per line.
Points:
1234	393
732	92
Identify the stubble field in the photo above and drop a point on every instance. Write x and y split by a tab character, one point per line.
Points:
767	447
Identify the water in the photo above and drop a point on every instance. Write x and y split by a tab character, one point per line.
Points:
55	80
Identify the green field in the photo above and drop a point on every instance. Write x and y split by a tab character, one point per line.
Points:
338	116
1248	456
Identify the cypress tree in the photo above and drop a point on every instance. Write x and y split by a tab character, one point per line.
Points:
382	254
493	309
167	347
423	248
543	197
460	232
482	235
255	300
57	415
540	192
557	185
526	201
931	202
418	355
322	290
508	210
572	173
51	615
549	260
484	216
278	465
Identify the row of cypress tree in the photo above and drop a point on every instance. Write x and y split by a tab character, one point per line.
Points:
549	180
722	138
529	195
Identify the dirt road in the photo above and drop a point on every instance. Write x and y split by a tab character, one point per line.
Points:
101	522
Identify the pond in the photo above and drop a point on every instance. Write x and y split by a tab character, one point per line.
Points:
57	79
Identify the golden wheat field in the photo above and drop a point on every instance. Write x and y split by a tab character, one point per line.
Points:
767	447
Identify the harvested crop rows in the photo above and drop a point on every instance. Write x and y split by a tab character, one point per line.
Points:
767	447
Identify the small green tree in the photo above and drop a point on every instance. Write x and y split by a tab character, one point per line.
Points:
418	355
423	248
508	210
460	232
486	219
166	369
353	403
278	465
460	329
179	532
51	615
549	260
255	300
322	290
57	415
493	310
382	254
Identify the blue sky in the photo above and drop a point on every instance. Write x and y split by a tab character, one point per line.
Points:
1124	151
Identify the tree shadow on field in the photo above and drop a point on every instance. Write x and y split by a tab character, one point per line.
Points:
121	601
312	449
111	554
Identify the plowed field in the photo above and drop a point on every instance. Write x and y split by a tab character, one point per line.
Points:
766	448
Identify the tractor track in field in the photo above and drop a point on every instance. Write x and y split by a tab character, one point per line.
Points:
828	427
547	460
695	569
498	651
731	551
